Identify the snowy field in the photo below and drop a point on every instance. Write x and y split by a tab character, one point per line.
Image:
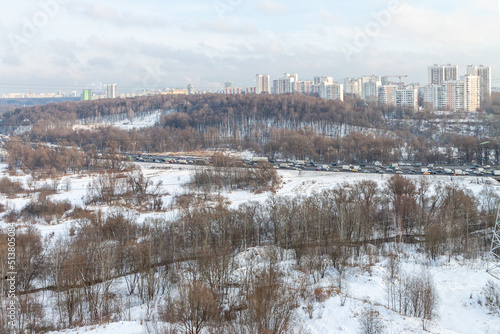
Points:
459	281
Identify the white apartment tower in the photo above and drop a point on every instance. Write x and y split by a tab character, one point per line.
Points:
352	86
331	90
387	95
441	73
393	96
472	93
369	88
407	98
451	95
285	85
111	91
484	74
263	83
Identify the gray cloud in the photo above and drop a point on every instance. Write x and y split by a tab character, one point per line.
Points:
101	62
12	60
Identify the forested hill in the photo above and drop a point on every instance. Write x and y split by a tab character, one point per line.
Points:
204	110
288	126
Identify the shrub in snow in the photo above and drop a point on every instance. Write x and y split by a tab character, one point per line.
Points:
491	293
370	323
413	295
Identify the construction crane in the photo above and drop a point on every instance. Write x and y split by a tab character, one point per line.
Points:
398	76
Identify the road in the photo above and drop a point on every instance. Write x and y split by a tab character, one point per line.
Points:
400	169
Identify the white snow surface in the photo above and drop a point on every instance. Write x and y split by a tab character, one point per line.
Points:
122	121
459	281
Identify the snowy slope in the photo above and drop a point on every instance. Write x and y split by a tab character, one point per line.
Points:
459	282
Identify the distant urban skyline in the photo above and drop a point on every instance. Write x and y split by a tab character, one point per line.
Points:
70	45
446	89
264	80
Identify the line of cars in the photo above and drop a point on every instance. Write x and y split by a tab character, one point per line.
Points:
393	168
150	158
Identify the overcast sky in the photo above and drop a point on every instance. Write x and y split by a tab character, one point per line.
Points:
66	44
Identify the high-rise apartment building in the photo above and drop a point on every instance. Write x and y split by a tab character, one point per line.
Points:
323	78
454	95
440	73
111	91
431	95
285	85
387	95
87	95
352	86
369	88
451	95
331	90
472	93
484	74
307	87
232	90
400	98
407	98
263	84
446	92
250	90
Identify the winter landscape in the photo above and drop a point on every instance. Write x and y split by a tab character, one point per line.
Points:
326	297
250	167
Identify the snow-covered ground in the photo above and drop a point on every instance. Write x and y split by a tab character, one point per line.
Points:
124	122
459	281
459	284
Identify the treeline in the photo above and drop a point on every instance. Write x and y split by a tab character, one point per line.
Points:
54	114
194	255
206	110
280	126
78	150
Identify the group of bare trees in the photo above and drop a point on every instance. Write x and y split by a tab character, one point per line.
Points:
184	267
286	126
412	294
327	229
262	177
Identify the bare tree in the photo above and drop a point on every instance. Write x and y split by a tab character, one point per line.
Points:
195	308
370	323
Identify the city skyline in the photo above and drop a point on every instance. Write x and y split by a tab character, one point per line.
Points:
69	45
